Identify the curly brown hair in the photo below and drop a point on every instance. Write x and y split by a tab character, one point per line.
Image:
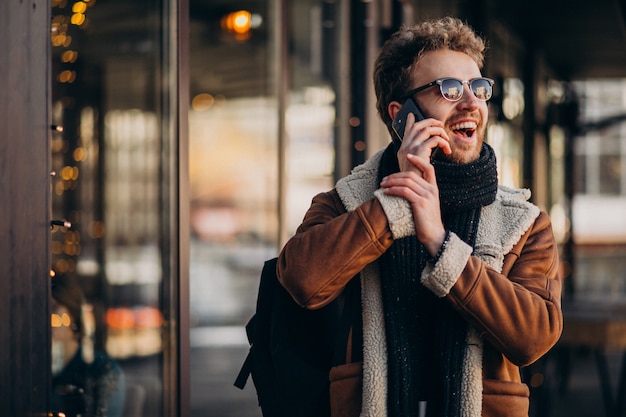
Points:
394	65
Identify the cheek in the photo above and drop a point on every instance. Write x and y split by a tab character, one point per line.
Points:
484	112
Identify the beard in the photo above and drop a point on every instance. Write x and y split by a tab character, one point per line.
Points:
464	153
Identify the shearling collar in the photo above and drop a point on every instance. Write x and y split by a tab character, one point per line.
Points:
502	223
501	226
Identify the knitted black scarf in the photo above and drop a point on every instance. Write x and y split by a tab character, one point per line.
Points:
426	337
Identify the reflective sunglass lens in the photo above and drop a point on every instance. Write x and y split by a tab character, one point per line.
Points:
452	89
481	88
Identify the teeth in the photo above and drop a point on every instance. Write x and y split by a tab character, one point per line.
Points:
464	125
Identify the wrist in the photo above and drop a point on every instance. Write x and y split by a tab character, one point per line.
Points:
433	259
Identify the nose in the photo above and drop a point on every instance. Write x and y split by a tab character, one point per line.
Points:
468	100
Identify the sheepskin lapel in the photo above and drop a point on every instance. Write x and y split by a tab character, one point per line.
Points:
354	190
359	186
501	225
374	397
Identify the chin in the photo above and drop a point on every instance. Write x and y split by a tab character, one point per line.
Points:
464	154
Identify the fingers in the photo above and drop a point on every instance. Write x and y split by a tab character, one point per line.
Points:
419	188
410	185
421	137
420	166
424	166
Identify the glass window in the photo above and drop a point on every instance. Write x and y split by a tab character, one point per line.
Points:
111	260
602	147
610	174
310	116
506	142
579	177
249	102
233	172
600	189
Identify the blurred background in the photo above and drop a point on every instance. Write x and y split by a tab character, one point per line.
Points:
189	137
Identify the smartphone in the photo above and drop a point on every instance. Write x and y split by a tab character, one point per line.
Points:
399	123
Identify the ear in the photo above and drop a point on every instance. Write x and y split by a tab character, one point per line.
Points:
393	108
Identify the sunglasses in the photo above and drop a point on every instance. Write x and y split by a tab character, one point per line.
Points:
452	89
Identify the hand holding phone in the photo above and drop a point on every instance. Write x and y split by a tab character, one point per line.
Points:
399	122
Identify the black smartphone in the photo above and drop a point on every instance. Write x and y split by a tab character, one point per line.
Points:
399	123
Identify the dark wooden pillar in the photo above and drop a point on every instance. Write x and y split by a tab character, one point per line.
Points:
24	207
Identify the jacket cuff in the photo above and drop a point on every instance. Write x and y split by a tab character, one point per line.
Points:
441	277
399	214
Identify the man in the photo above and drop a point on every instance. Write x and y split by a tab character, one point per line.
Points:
459	276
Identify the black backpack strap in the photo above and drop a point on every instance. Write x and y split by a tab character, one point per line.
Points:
244	373
293	348
263	315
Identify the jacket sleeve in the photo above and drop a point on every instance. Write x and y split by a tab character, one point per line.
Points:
330	247
518	311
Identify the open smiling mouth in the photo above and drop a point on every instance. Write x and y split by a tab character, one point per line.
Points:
466	132
467	129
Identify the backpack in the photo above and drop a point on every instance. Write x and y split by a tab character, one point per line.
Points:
291	351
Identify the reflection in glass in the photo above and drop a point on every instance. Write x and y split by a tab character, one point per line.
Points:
506	142
610	174
234	126
112	183
85	382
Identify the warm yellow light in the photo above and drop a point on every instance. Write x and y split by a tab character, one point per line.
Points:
63	320
120	318
67	42
59	188
148	317
78	19
71	249
241	22
69	57
238	22
67	76
79	154
67	173
55	320
79	7
202	102
59	40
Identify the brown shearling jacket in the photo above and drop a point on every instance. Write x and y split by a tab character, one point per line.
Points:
508	288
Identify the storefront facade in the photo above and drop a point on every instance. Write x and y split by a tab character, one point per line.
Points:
94	164
153	154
